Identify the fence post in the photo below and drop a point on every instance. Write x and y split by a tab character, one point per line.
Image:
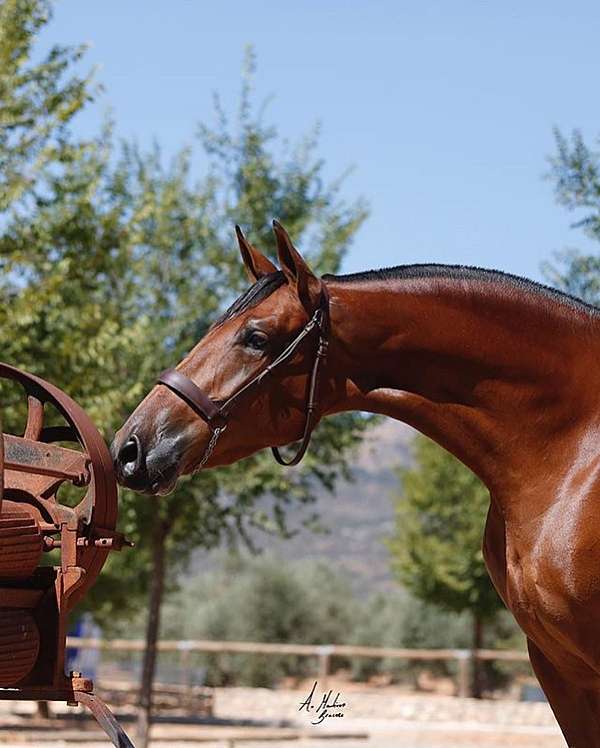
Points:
185	664
465	661
324	654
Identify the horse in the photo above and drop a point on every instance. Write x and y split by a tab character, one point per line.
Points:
500	371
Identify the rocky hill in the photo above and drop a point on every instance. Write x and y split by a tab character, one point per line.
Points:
357	517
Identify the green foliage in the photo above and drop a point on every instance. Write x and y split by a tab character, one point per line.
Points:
402	620
436	548
113	264
269	599
264	600
575	171
188	268
37	102
575	273
254	176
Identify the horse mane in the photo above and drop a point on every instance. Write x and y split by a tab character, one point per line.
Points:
268	284
252	296
463	272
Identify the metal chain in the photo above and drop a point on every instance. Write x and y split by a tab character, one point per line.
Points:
210	447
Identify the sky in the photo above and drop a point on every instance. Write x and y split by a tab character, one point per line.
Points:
445	110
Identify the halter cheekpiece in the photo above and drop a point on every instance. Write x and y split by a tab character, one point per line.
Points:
216	414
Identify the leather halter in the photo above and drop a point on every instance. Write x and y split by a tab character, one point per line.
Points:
216	415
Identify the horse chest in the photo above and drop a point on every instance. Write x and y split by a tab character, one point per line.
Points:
547	579
552	587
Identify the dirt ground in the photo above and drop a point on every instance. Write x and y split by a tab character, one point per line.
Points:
371	718
393	717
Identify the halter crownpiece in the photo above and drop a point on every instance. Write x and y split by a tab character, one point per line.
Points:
216	415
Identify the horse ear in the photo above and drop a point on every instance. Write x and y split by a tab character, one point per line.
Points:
255	262
297	272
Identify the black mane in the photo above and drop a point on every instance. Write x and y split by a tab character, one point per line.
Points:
258	291
462	272
271	282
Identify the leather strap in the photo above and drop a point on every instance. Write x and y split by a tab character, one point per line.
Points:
209	410
188	391
313	387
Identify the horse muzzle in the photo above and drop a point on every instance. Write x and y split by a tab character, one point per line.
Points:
147	468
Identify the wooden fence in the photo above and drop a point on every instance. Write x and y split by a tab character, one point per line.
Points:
322	652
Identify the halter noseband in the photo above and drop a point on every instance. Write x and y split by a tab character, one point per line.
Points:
216	415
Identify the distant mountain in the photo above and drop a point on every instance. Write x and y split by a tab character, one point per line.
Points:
358	516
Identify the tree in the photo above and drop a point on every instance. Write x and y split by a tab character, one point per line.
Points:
55	307
38	102
265	599
575	171
190	273
113	264
436	547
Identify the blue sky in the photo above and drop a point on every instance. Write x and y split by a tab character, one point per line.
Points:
445	109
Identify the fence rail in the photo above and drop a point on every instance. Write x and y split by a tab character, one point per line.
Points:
323	652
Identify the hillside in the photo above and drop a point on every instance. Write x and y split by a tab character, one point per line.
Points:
358	516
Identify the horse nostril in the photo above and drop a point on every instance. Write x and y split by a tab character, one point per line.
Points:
130	456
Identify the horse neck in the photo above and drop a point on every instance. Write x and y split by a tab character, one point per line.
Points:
497	374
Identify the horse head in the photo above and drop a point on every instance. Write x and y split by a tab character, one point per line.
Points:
242	388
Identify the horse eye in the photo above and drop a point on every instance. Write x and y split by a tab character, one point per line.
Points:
257	340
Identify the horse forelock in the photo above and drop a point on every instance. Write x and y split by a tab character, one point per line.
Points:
257	292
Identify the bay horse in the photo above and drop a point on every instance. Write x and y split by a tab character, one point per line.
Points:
500	371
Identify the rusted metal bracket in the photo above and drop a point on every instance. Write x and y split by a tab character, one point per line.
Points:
84	696
37	458
105	718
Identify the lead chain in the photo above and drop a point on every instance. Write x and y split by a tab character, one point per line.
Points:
209	449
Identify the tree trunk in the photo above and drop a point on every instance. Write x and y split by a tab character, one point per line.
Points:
477	665
159	537
43	710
